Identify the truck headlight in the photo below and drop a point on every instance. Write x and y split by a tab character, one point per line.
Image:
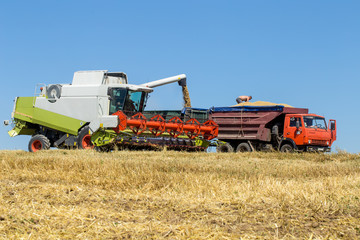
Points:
327	143
309	141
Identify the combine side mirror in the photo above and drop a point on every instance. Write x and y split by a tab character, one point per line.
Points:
297	124
332	126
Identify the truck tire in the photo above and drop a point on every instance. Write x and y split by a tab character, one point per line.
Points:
225	148
243	147
286	148
84	139
38	142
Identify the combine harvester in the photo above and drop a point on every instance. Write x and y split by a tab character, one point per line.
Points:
100	109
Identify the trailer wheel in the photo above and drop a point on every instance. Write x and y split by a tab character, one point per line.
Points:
286	148
84	139
38	142
243	147
226	147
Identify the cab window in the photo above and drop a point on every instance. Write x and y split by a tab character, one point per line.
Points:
133	101
117	99
125	100
293	121
314	122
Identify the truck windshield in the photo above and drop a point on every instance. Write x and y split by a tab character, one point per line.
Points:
125	100
314	122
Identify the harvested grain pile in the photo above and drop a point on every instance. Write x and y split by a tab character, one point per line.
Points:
261	103
152	195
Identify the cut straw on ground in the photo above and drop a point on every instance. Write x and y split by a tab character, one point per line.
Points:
176	195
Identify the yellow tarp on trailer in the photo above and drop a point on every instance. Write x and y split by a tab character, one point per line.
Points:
261	103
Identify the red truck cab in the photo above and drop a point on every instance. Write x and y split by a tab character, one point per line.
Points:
308	132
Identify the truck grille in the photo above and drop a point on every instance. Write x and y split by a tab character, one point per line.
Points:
319	142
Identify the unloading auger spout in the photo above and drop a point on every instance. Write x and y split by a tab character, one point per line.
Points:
181	79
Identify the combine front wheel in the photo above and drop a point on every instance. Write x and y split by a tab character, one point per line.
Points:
84	139
39	142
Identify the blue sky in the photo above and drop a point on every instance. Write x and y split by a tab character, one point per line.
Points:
303	53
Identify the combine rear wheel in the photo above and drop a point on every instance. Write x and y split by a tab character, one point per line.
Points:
84	139
39	142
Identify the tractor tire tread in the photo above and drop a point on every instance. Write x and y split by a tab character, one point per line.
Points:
43	139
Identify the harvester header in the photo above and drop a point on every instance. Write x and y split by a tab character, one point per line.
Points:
175	126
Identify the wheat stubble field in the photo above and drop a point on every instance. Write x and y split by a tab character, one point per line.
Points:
176	195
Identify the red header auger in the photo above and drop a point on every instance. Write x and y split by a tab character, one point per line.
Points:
175	127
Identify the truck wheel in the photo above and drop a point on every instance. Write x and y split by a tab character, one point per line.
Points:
84	139
225	148
243	147
286	148
39	142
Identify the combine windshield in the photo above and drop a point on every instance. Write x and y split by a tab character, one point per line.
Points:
133	101
125	100
314	122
